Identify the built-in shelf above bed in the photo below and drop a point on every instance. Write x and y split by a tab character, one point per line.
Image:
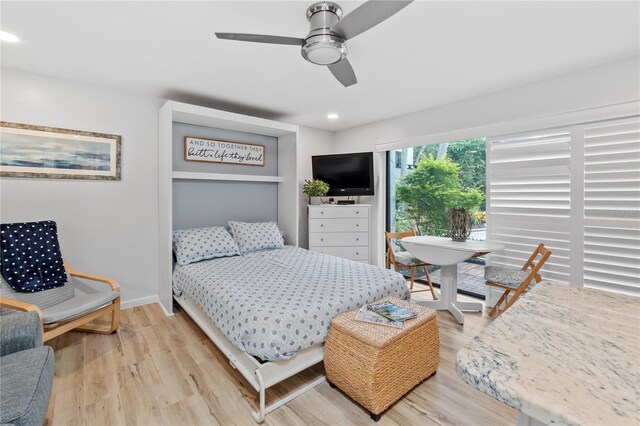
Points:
225	177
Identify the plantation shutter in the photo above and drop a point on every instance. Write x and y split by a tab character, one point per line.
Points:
575	189
528	198
612	205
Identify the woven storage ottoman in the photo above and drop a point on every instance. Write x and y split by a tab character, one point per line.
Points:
376	365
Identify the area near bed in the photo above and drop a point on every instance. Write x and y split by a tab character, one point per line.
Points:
274	303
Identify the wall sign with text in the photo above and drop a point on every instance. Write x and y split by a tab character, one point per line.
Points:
218	151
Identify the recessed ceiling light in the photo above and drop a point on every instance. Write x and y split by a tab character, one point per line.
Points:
332	116
5	36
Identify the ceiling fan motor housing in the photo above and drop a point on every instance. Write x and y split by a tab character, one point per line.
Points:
323	47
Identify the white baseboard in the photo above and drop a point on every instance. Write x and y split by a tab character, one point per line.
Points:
140	301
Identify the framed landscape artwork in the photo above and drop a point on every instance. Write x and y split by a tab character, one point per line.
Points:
49	152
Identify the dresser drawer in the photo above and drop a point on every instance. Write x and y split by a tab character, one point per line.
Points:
339	225
356	239
352	253
338	212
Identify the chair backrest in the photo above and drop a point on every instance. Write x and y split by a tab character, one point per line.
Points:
535	266
395	236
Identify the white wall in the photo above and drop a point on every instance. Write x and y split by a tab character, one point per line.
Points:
105	227
310	142
610	84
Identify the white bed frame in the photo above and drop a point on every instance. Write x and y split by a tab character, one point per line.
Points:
260	376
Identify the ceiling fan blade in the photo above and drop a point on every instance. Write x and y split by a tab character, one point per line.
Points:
259	38
368	16
343	72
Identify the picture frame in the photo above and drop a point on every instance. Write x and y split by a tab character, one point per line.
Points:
32	151
207	150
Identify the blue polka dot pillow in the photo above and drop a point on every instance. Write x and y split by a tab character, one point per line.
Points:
256	236
194	245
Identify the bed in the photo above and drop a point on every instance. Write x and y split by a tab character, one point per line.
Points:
269	311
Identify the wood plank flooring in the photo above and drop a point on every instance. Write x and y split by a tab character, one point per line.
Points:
162	370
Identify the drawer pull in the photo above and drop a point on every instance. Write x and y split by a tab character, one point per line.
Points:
357	212
357	239
321	239
322	225
357	254
357	224
321	212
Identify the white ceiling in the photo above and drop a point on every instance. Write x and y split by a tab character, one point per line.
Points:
431	53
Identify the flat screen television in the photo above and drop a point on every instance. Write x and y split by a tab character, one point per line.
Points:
346	174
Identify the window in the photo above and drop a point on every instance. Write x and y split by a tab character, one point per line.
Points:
529	198
612	205
577	189
424	182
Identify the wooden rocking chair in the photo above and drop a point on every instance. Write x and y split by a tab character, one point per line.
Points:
68	307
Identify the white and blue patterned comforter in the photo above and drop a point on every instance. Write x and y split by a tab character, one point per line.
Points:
274	303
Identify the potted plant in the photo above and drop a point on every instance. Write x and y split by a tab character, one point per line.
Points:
315	188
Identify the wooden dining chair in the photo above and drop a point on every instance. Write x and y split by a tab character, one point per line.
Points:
518	281
405	259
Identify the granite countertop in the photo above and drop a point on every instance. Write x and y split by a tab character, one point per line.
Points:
562	355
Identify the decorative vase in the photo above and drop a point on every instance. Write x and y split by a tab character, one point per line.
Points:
315	201
459	224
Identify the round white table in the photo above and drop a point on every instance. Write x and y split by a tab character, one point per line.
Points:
447	253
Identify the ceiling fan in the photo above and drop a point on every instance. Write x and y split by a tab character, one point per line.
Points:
326	42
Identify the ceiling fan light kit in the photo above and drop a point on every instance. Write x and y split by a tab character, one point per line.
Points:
326	42
324	49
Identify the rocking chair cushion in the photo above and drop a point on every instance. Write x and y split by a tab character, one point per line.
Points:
42	299
507	277
406	258
81	304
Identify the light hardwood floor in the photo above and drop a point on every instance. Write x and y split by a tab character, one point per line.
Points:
162	370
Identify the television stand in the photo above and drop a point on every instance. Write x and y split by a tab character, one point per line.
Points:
346	202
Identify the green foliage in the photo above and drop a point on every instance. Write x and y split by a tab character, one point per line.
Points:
431	190
315	188
425	150
470	156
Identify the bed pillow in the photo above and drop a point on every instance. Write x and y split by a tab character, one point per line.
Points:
193	245
256	236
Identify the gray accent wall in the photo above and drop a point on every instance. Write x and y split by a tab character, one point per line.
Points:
180	130
198	203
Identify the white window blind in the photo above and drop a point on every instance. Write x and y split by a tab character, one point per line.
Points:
577	190
612	205
528	196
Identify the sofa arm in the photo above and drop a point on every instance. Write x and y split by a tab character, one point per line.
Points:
19	331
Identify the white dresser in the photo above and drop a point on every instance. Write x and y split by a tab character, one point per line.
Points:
341	231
